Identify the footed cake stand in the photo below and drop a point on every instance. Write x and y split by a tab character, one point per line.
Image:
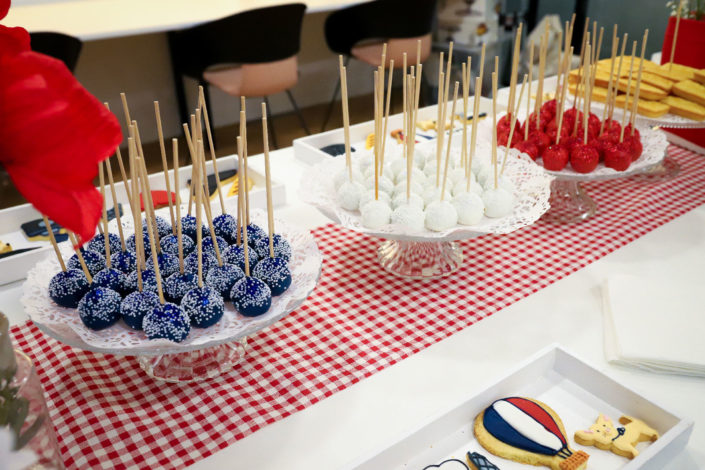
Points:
207	352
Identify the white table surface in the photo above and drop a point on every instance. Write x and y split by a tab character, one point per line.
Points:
101	19
376	410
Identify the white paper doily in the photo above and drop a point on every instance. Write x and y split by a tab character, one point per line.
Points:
533	191
65	325
653	140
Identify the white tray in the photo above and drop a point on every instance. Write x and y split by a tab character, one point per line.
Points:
14	268
575	390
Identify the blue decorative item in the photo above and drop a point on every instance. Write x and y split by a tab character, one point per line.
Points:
94	261
136	305
251	297
177	285
204	306
110	278
68	287
170	245
149	281
223	278
100	308
225	226
207	261
208	247
168	264
188	227
235	254
163	226
131	244
167	321
124	261
275	273
97	243
282	249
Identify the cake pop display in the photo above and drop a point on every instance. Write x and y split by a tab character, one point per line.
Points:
617	156
375	214
223	278
440	215
417	176
68	286
188	227
409	215
250	296
343	176
225	226
469	207
178	284
204	306
131	243
136	305
168	263
124	261
385	184
94	261
281	247
461	187
584	158
235	255
370	195
163	226
275	273
498	202
413	200
149	280
100	308
170	244
97	243
191	262
432	194
110	278
348	195
209	246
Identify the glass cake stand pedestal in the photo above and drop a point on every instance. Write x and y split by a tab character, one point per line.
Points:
420	259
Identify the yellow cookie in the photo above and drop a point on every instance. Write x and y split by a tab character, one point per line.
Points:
620	440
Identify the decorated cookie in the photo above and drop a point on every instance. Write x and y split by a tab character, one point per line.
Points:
527	431
620	440
450	464
479	462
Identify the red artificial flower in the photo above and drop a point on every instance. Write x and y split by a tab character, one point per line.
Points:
53	133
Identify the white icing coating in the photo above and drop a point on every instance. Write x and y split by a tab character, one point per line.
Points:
344	176
349	194
440	215
365	161
455	175
461	186
433	194
498	202
414	200
410	216
375	214
526	425
385	184
416	188
470	208
369	195
417	176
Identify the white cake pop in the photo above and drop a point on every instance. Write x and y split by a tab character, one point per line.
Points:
498	202
414	200
479	163
416	188
486	176
433	193
409	216
343	176
456	174
375	214
365	161
368	195
430	170
441	215
416	175
394	167
348	195
505	183
470	208
461	186
385	184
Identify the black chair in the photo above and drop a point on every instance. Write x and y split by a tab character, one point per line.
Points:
60	46
361	30
253	53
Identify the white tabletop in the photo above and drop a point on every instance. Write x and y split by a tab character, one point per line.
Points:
101	19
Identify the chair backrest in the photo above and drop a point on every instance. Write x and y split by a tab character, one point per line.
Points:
60	46
381	19
251	37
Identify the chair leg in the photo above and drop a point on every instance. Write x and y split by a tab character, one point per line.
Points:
207	96
332	100
271	124
298	112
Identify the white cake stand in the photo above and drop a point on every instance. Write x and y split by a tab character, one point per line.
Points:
427	254
207	352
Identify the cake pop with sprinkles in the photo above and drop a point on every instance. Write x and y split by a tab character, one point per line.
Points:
68	286
188	227
94	261
168	263
272	269
209	247
121	259
170	244
235	255
163	226
131	241
125	261
100	308
97	243
225	226
251	296
148	276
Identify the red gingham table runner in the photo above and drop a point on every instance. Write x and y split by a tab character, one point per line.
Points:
359	320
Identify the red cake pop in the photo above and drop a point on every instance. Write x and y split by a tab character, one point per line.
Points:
635	147
617	156
555	158
584	158
549	108
529	148
540	139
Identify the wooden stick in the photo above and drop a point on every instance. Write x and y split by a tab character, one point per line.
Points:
450	140
152	236
675	35
79	255
615	45
582	56
209	133
179	234
619	72
116	207
494	124
201	156
346	114
418	53
403	104
515	65
104	218
626	96
635	105
542	71
409	123
528	95
464	140
50	230
268	179
165	165
439	113
513	123
593	72
196	183
386	112
244	231
587	91
240	213
243	135
473	134
126	110
564	93
376	119
123	174
417	84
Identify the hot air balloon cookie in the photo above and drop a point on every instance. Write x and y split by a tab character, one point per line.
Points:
527	431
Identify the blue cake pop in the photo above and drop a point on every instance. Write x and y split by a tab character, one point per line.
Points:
282	249
131	244
170	245
188	227
254	233
167	321
225	225
235	254
275	273
168	264
223	278
163	226
149	281
100	308
207	244
191	263
94	261
136	305
110	278
68	287
124	261
204	306
176	285
97	243
251	296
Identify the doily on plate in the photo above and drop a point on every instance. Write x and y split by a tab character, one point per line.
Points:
65	325
532	184
653	141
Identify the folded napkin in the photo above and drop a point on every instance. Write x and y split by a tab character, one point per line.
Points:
655	325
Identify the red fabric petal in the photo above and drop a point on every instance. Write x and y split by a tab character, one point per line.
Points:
54	133
4	7
13	40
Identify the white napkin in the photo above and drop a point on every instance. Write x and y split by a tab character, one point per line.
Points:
655	325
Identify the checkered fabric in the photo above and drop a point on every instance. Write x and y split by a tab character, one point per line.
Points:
109	414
